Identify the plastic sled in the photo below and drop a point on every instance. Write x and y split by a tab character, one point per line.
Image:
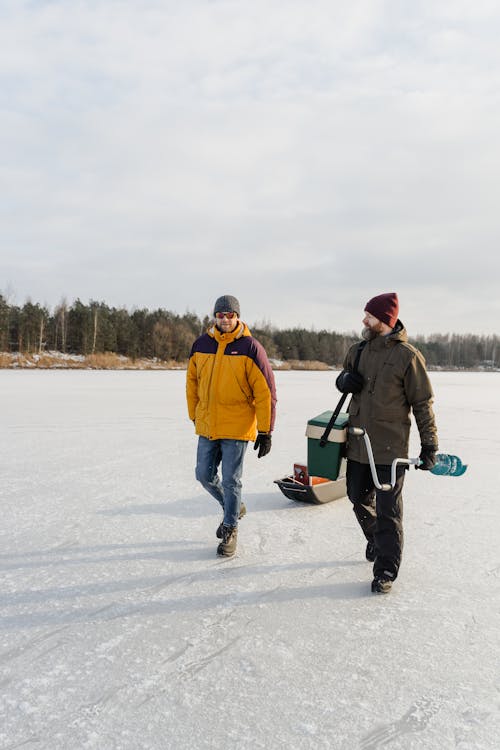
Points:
299	486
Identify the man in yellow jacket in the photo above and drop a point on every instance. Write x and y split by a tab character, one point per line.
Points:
231	397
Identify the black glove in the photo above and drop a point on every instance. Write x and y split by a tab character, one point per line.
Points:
263	444
349	382
427	458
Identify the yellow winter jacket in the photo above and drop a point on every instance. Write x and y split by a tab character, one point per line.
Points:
230	386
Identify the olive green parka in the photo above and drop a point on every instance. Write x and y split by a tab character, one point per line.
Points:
395	383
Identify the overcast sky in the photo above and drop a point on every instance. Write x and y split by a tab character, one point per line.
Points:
303	155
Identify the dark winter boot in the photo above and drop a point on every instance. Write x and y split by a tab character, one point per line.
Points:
243	512
227	547
370	552
382	584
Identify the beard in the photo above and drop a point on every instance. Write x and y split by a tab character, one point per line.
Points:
368	334
234	324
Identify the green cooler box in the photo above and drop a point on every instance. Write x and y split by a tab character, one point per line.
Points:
326	461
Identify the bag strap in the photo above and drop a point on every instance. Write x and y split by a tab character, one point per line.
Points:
324	438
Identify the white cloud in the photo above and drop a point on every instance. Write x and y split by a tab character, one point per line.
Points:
314	153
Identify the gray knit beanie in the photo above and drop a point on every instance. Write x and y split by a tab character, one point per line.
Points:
227	303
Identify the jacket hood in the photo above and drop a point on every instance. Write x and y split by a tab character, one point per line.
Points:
398	334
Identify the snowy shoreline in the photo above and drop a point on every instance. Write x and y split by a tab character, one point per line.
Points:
107	361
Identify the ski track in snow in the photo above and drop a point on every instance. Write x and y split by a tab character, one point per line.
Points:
121	629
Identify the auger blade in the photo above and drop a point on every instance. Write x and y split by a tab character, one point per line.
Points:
448	465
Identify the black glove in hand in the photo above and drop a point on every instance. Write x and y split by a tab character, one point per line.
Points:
349	382
262	444
427	458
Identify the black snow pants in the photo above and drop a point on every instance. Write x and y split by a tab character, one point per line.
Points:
379	513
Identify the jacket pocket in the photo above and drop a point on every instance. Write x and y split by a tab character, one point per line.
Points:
353	408
235	390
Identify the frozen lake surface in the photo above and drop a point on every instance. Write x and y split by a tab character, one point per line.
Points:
122	629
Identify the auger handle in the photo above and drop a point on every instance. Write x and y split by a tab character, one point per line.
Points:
360	432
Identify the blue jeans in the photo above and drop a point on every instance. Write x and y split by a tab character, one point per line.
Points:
228	492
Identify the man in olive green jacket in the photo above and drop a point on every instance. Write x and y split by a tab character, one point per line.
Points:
388	383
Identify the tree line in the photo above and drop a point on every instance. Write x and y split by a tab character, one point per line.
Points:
95	327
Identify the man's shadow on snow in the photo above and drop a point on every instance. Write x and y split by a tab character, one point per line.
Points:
203	505
167	606
76	555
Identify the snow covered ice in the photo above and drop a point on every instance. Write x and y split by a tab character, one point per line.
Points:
122	629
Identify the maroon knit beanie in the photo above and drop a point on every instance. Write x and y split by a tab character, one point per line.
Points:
385	307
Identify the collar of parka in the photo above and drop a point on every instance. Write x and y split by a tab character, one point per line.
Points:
225	338
398	335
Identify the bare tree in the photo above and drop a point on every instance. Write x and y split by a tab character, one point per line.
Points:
61	324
